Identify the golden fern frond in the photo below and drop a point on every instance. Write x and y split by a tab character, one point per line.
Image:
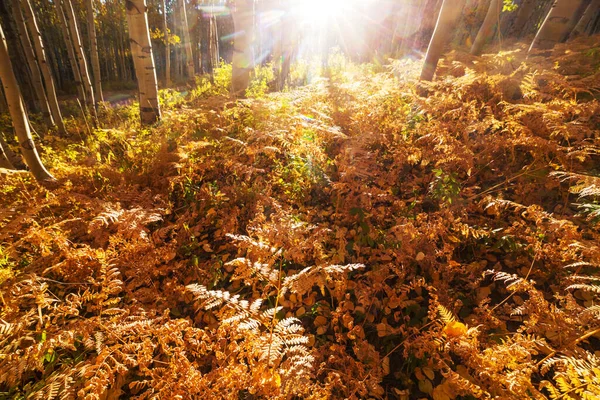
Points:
446	315
574	378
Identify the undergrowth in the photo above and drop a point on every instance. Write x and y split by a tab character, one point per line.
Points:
363	236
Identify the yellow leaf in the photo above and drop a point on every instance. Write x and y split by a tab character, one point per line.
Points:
385	365
428	372
277	379
455	329
439	394
426	386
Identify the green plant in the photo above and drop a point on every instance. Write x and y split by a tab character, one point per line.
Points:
445	187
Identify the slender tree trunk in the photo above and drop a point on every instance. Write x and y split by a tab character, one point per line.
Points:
242	47
555	27
71	53
15	160
141	48
36	75
3	104
487	27
167	46
80	55
442	34
94	52
187	43
18	115
214	42
44	67
586	19
4	157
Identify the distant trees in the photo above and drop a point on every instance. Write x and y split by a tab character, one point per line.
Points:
79	54
141	48
80	43
32	63
19	117
40	54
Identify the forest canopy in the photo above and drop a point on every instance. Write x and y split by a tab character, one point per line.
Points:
287	199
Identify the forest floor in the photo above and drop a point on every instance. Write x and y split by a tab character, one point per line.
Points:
363	236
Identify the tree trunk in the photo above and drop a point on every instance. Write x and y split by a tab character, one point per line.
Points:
487	27
167	46
80	55
187	43
442	34
242	62
44	67
523	14
575	19
555	27
287	45
71	53
214	41
13	158
94	52
18	115
141	48
36	75
4	157
586	19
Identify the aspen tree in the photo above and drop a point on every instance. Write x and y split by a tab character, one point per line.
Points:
243	60
449	14
98	97
34	69
167	45
80	55
71	52
141	48
187	43
555	27
213	40
523	14
40	54
587	17
487	27
19	117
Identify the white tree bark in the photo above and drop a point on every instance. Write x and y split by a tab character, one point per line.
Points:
556	25
141	48
18	115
